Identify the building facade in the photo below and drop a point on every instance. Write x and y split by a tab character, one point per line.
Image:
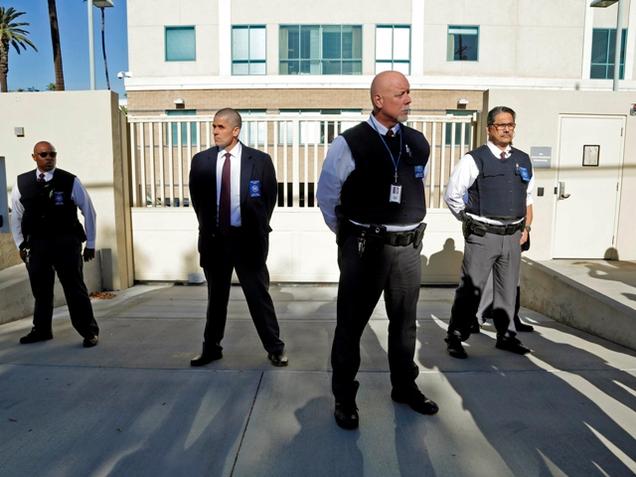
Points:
291	56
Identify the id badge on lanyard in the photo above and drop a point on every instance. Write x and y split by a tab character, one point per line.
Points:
396	193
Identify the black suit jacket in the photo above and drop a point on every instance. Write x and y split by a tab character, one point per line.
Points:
258	199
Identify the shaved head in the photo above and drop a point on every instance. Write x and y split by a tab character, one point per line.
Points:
390	96
43	144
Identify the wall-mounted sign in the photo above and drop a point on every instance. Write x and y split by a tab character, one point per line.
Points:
541	156
591	154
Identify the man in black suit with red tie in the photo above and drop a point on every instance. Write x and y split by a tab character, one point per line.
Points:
233	192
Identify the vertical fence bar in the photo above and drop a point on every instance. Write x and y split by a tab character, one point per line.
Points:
171	162
133	163
285	154
451	164
315	171
162	176
207	134
189	140
180	162
142	165
296	163
151	166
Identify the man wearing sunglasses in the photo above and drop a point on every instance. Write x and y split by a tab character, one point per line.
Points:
490	191
49	236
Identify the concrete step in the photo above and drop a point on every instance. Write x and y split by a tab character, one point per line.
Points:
596	296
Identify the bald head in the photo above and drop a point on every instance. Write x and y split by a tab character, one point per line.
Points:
390	96
44	156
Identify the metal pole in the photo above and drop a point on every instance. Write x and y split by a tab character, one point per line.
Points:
617	44
91	54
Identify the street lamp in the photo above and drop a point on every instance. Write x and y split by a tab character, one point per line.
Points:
617	41
91	53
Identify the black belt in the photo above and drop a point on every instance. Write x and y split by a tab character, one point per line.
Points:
395	239
480	228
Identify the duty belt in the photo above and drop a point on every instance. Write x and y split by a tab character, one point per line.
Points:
396	239
481	228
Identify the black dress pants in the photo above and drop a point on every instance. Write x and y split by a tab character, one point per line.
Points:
395	271
61	255
224	254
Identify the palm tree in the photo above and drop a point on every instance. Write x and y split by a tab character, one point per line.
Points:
57	48
11	34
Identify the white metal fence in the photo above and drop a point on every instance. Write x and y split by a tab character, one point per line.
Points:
162	147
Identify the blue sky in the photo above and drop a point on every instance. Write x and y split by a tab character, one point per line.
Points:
35	69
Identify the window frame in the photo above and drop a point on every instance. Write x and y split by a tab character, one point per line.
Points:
450	53
167	28
249	60
320	60
610	55
392	61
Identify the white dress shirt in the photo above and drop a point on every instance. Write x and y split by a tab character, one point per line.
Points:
235	184
463	177
336	168
78	195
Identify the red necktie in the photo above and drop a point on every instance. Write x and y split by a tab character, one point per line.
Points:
502	155
225	198
41	177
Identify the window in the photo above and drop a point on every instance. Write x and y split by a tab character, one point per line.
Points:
393	48
603	52
184	127
463	43
180	44
320	49
448	139
248	50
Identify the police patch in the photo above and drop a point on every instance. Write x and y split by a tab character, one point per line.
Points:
58	198
419	172
525	174
255	188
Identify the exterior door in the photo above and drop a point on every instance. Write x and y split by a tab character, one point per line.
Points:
590	157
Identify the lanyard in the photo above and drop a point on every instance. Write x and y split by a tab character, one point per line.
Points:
396	162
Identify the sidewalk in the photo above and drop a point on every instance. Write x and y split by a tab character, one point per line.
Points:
133	406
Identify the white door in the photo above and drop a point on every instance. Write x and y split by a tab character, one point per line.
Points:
590	157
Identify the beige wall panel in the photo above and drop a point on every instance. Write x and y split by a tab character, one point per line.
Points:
470	12
81	126
538	54
548	13
171	12
324	12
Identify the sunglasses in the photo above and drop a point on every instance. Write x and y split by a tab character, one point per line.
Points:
44	154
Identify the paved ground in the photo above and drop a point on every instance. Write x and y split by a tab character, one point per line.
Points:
133	406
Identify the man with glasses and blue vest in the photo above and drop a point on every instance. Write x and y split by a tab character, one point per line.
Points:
371	195
49	236
490	191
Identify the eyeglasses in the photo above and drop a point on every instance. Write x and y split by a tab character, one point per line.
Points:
45	154
501	127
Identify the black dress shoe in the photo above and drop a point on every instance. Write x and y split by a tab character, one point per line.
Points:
346	415
206	358
454	347
278	359
416	400
522	327
475	328
512	344
90	341
35	336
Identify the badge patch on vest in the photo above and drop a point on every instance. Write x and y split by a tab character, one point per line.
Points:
419	172
525	174
255	188
58	198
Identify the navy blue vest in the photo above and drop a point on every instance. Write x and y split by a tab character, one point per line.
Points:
365	193
48	207
499	192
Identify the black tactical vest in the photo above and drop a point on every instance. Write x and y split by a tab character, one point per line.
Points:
48	207
365	193
499	192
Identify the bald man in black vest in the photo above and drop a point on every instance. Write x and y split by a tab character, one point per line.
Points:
371	194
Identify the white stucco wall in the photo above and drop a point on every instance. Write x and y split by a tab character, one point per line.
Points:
86	129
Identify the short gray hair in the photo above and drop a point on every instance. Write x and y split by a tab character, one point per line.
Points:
231	115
